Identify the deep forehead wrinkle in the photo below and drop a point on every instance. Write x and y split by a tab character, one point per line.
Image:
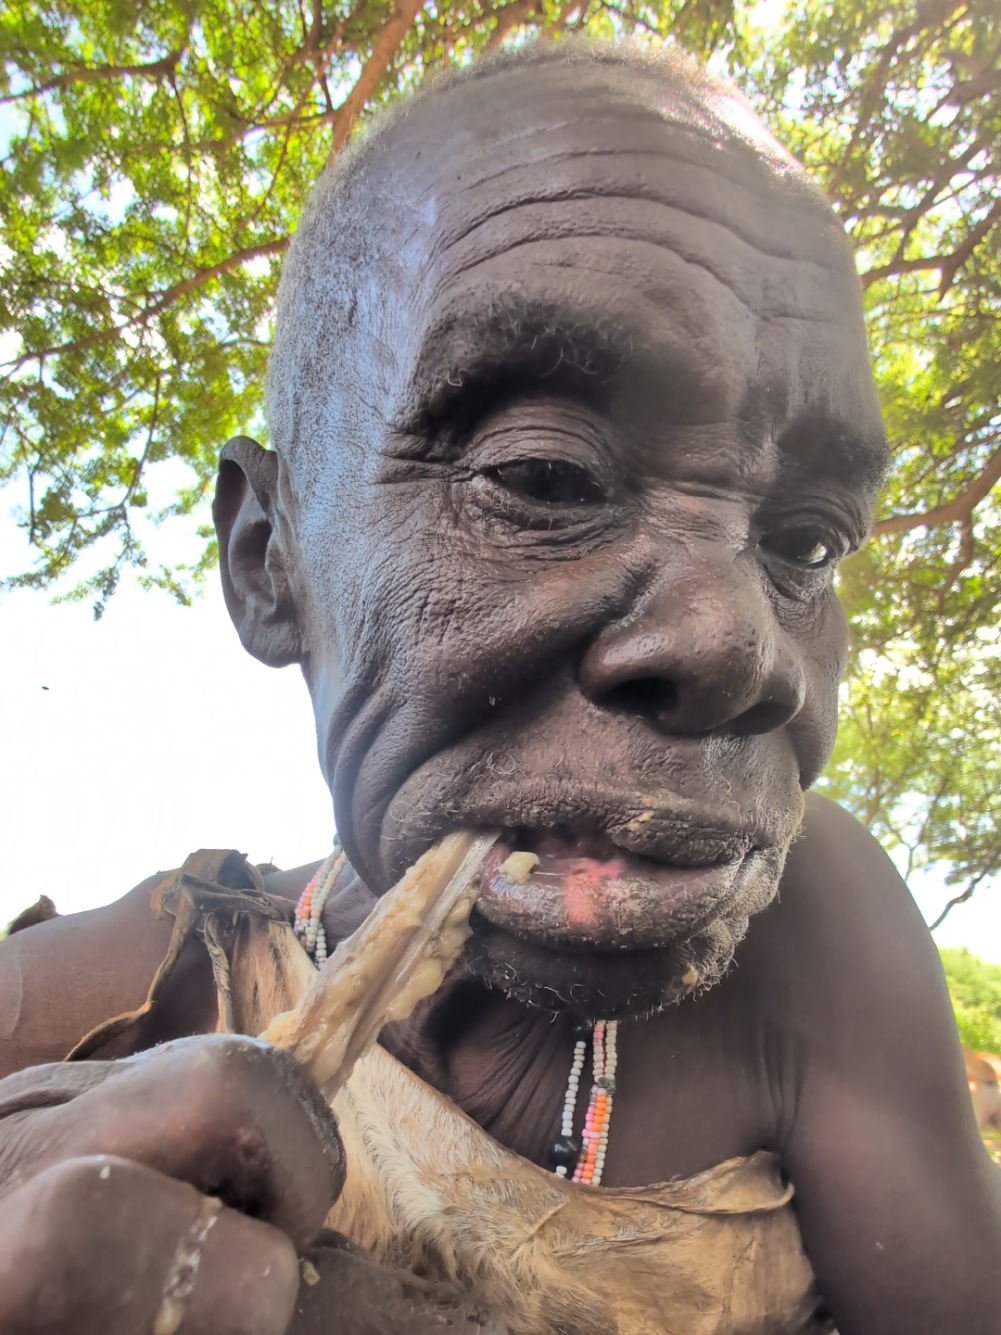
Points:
751	275
752	201
556	151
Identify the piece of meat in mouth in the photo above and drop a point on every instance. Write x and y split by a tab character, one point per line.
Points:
575	888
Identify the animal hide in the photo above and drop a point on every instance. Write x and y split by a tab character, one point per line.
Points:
429	1192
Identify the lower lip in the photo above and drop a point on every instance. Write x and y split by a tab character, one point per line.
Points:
624	903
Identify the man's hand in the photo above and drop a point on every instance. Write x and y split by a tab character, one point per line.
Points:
168	1192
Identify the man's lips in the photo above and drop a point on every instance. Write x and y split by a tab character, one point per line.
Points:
578	889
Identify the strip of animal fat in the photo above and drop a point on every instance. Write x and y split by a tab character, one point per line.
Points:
397	957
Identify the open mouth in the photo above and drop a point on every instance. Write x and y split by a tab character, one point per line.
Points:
578	888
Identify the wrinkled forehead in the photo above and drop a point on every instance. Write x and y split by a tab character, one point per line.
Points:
491	149
608	205
609	201
518	114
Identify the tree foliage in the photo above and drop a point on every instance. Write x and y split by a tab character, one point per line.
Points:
975	988
897	109
158	155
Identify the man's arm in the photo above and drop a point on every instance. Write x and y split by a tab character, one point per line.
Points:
899	1203
62	978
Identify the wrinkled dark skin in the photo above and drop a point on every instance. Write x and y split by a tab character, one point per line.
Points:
652	627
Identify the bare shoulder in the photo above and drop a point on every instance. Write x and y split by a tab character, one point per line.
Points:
898	1202
852	990
845	931
836	867
62	977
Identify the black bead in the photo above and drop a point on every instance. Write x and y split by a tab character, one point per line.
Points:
581	1029
565	1152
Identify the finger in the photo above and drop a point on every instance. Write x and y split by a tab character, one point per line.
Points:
228	1115
49	1085
101	1246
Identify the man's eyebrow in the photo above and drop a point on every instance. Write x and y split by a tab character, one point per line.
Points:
832	448
473	357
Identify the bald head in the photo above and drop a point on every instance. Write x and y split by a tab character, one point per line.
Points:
574	421
500	135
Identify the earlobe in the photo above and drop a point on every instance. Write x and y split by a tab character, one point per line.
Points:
254	579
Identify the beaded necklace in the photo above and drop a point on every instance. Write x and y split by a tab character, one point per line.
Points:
308	921
586	1161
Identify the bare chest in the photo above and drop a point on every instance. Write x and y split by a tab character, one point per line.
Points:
691	1089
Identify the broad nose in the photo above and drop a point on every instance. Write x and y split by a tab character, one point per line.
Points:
699	654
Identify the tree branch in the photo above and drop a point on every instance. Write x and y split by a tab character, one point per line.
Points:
950	169
341	118
896	267
948	265
157	70
956	511
163	299
508	17
384	49
967	553
962	253
867	106
959	899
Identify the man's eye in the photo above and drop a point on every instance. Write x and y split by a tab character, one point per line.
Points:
549	481
804	547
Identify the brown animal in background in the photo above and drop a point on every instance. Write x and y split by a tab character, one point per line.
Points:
982	1071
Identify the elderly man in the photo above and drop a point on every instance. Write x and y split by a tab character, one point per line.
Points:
573	421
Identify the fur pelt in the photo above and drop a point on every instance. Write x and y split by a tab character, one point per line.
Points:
430	1193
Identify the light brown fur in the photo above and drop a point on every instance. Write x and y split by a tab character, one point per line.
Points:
430	1192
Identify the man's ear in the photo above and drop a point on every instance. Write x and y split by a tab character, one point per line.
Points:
254	580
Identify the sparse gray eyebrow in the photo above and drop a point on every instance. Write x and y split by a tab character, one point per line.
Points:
535	341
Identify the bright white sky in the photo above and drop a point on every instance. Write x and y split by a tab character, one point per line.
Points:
157	735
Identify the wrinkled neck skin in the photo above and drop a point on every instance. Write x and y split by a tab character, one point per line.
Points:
560	522
691	1092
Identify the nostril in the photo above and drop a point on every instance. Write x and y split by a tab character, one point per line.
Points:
763	717
649	697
